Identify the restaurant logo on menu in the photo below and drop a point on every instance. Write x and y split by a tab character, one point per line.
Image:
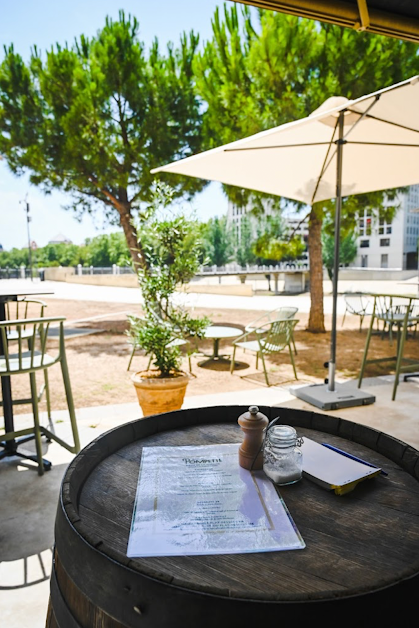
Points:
199	461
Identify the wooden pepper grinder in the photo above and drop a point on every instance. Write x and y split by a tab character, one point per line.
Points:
253	424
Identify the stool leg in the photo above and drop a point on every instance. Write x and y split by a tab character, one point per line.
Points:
48	400
47	395
264	369
293	363
367	344
38	443
70	403
399	358
232	359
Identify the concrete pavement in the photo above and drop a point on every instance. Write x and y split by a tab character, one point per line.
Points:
265	302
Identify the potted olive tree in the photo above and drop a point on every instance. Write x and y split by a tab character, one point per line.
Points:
171	251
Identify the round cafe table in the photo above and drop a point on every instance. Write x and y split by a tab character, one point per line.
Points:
217	333
360	565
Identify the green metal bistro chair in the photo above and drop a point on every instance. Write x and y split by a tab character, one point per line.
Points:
358	304
27	309
279	314
23	309
403	316
391	311
278	336
33	359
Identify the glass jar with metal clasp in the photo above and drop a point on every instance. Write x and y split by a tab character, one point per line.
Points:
282	455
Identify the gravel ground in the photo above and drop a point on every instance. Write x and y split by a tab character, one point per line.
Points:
98	361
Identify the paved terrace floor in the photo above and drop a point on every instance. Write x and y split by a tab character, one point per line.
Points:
264	302
28	502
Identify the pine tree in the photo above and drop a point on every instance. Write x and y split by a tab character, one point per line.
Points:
255	77
94	118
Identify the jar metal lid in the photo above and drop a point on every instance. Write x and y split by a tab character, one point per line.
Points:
282	435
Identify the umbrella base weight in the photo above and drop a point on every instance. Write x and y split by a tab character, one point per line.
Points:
320	396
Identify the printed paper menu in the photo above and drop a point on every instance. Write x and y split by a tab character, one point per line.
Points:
198	500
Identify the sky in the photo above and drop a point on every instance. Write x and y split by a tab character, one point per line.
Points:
43	23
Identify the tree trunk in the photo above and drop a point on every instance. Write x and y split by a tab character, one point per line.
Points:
131	236
316	318
123	207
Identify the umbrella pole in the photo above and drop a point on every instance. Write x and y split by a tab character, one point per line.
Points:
339	158
328	396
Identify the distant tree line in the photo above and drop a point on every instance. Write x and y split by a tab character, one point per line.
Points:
259	244
221	245
103	250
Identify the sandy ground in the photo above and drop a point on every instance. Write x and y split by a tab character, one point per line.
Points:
98	361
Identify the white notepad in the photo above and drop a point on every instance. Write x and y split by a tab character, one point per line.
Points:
332	470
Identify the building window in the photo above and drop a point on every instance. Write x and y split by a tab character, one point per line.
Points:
384	241
364	261
384	227
364	244
384	260
381	227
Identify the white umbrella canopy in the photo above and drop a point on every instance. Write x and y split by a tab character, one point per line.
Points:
345	147
298	160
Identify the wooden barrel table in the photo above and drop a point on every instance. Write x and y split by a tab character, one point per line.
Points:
361	559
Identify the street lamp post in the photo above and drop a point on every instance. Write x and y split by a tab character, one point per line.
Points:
28	219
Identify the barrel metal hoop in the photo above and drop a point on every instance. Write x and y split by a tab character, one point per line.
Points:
63	615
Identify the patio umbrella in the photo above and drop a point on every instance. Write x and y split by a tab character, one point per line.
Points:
345	147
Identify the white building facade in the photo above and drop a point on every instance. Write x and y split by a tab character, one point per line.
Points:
384	245
296	225
391	245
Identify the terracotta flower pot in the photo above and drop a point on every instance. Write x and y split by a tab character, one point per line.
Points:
160	394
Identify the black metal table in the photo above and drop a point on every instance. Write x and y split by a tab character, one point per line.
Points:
10	447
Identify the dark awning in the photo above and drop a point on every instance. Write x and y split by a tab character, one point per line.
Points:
393	18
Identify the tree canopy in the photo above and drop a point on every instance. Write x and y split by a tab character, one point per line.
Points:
93	119
256	75
347	251
218	241
102	250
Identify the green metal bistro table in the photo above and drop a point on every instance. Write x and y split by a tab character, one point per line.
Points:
401	315
217	333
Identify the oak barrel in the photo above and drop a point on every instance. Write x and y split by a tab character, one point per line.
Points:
361	558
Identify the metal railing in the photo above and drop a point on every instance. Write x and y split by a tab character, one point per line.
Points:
104	270
205	271
253	268
23	272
